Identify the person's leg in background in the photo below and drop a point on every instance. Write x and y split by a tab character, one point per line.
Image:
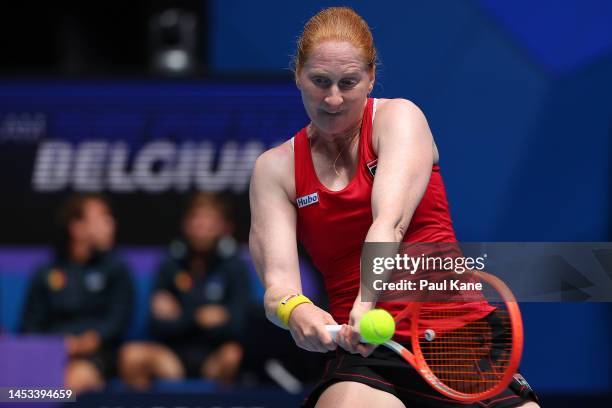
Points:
141	362
82	375
223	364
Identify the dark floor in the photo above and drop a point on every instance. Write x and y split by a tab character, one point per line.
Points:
268	398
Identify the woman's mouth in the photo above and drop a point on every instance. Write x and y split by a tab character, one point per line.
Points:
336	113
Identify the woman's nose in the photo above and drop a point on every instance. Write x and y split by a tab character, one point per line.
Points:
334	99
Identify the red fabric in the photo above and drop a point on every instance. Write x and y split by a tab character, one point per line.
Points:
333	229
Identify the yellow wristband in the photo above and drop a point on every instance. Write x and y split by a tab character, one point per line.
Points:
286	306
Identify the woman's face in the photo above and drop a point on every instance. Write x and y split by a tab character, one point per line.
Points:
97	225
204	226
335	83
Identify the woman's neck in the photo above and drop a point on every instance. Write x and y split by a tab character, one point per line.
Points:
80	252
332	143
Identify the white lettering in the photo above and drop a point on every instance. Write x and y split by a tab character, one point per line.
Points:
378	269
156	154
118	178
52	166
156	167
23	127
89	166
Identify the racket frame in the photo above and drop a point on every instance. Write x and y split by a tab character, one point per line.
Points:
417	360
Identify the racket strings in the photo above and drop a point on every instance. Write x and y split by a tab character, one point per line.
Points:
473	358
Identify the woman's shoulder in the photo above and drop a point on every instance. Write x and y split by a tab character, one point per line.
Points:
397	106
277	159
398	113
276	165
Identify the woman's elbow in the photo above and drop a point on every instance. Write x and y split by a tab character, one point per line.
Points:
388	229
400	230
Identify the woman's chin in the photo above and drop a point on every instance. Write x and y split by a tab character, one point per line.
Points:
331	127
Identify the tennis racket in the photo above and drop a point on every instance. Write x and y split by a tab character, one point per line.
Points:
467	361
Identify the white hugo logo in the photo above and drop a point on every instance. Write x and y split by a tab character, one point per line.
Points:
307	200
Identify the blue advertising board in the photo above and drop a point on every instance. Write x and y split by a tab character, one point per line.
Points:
143	143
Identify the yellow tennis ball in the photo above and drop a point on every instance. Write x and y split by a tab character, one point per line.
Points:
377	326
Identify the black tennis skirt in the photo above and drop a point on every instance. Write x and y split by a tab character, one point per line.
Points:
387	371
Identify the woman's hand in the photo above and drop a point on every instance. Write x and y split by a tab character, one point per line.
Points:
307	326
349	338
83	344
211	316
165	306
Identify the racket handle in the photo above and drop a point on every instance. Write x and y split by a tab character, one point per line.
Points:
333	329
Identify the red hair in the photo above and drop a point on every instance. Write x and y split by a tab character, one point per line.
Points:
336	24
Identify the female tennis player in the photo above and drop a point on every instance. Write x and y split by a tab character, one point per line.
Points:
362	170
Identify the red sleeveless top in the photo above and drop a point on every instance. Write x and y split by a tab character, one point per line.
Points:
332	225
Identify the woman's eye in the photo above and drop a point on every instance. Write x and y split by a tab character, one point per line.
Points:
320	81
348	83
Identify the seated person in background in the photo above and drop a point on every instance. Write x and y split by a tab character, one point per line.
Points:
198	305
84	294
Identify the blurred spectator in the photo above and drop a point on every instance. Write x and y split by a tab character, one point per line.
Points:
198	306
85	293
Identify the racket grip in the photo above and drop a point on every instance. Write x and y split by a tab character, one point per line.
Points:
333	330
